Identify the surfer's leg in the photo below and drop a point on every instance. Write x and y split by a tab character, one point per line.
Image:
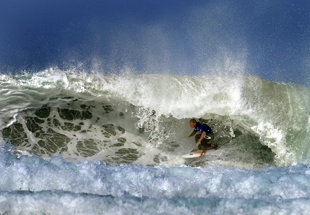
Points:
207	141
209	137
210	141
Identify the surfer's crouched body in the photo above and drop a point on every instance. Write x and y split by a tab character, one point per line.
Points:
204	138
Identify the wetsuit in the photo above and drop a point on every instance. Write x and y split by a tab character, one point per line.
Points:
200	127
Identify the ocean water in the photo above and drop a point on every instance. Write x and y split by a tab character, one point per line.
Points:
88	143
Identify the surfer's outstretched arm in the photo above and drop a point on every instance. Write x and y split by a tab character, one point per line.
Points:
192	134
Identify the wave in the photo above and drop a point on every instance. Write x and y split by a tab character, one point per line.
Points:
33	185
143	119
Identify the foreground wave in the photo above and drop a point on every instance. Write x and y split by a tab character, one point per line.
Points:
143	119
33	185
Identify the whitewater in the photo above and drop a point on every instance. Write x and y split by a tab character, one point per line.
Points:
89	143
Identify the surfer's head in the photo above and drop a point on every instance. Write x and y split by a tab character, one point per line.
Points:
192	123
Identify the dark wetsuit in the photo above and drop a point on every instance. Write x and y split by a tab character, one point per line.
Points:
200	127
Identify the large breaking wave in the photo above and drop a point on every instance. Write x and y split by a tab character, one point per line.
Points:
143	119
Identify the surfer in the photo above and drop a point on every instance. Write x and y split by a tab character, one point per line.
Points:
203	138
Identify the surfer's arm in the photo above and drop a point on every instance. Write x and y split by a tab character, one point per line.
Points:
203	134
192	134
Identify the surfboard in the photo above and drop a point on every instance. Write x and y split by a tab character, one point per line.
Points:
191	155
195	154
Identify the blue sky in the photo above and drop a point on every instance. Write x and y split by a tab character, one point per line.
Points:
266	38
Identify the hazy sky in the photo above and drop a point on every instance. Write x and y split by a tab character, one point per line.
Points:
269	38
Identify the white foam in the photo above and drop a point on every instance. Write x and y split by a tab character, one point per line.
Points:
33	185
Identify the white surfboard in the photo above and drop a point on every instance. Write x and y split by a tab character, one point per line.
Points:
194	154
191	155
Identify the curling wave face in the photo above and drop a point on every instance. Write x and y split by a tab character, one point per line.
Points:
143	119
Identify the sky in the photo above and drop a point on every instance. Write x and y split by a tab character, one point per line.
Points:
270	39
